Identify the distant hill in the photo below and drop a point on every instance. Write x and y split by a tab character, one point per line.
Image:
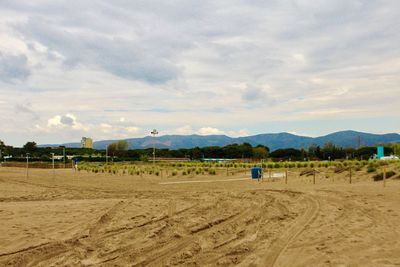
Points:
273	141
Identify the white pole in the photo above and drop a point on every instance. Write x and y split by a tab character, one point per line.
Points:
154	153
154	133
64	156
52	159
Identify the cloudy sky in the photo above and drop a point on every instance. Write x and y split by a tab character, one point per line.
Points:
117	69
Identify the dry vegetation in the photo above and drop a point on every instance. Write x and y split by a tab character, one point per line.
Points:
136	215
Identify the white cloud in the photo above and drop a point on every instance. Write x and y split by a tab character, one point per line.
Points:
209	131
299	57
133	130
301	134
54	121
226	65
106	128
184	130
188	130
240	133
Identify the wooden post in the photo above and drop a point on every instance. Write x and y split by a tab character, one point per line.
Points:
350	175
262	174
384	176
269	174
171	208
286	176
314	177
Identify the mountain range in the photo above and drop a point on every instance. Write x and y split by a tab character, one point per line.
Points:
272	140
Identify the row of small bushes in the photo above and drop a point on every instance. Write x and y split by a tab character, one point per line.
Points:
379	176
198	168
135	170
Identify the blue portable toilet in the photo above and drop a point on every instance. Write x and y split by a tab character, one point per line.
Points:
256	173
380	152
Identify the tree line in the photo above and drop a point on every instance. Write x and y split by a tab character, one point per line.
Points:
119	151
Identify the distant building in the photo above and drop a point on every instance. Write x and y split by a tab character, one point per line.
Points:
87	142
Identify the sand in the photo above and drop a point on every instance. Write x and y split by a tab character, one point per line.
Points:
84	219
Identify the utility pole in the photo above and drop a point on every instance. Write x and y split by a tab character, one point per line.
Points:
154	133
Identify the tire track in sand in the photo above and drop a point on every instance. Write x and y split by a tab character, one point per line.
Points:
39	254
295	230
157	257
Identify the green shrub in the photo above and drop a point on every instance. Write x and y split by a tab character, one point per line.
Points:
379	176
371	168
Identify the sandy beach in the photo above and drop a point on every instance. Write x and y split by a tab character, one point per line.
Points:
85	219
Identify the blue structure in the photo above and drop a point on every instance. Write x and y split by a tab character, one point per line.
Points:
380	152
256	173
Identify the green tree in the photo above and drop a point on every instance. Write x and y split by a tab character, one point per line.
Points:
396	149
260	152
314	151
122	145
30	147
287	153
332	151
118	147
